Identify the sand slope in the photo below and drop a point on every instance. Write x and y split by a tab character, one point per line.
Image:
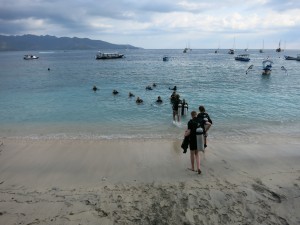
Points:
147	182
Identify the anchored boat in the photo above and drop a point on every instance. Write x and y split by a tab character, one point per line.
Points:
267	67
243	57
29	57
101	55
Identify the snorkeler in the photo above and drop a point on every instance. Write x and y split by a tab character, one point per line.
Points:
159	100
149	88
95	88
139	100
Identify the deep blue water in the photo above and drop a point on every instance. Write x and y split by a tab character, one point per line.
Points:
59	103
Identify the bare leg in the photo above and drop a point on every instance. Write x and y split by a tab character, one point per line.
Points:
192	160
197	156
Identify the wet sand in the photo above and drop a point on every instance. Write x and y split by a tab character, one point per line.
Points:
147	182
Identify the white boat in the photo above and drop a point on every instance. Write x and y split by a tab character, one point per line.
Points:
267	67
101	55
29	57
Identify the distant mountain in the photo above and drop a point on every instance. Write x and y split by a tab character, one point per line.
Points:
47	42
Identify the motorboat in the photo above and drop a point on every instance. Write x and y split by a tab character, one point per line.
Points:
243	57
101	55
267	67
29	57
166	58
231	51
292	58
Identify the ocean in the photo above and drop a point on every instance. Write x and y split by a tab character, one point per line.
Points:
37	103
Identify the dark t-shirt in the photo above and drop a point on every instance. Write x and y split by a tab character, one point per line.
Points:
202	116
193	125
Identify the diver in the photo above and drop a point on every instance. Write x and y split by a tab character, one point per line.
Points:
173	96
159	100
115	92
95	88
130	95
139	100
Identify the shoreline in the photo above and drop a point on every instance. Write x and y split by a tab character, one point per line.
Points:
147	181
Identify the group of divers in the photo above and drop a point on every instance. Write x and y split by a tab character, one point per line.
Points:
177	104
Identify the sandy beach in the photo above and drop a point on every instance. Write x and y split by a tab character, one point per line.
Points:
147	182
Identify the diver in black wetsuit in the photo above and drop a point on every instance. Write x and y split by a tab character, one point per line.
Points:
95	88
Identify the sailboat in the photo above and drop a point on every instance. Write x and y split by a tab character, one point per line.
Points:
279	49
217	50
231	51
187	49
246	49
262	50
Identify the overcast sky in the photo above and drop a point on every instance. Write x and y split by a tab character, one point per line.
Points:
159	24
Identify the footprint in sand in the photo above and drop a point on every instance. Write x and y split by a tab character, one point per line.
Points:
266	192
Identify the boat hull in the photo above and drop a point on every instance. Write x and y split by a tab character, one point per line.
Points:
266	72
242	59
30	57
109	56
291	58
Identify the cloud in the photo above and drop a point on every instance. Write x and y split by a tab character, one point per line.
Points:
151	23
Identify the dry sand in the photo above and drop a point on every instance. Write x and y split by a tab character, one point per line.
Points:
147	182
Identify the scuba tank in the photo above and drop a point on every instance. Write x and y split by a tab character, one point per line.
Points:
200	139
179	109
185	109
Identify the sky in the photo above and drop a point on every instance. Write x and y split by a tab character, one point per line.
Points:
160	24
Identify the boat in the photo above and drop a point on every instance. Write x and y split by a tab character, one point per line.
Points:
101	55
231	51
279	49
29	57
185	50
246	49
243	57
292	58
166	58
262	50
267	67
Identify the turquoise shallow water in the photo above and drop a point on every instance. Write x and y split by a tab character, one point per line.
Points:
37	103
